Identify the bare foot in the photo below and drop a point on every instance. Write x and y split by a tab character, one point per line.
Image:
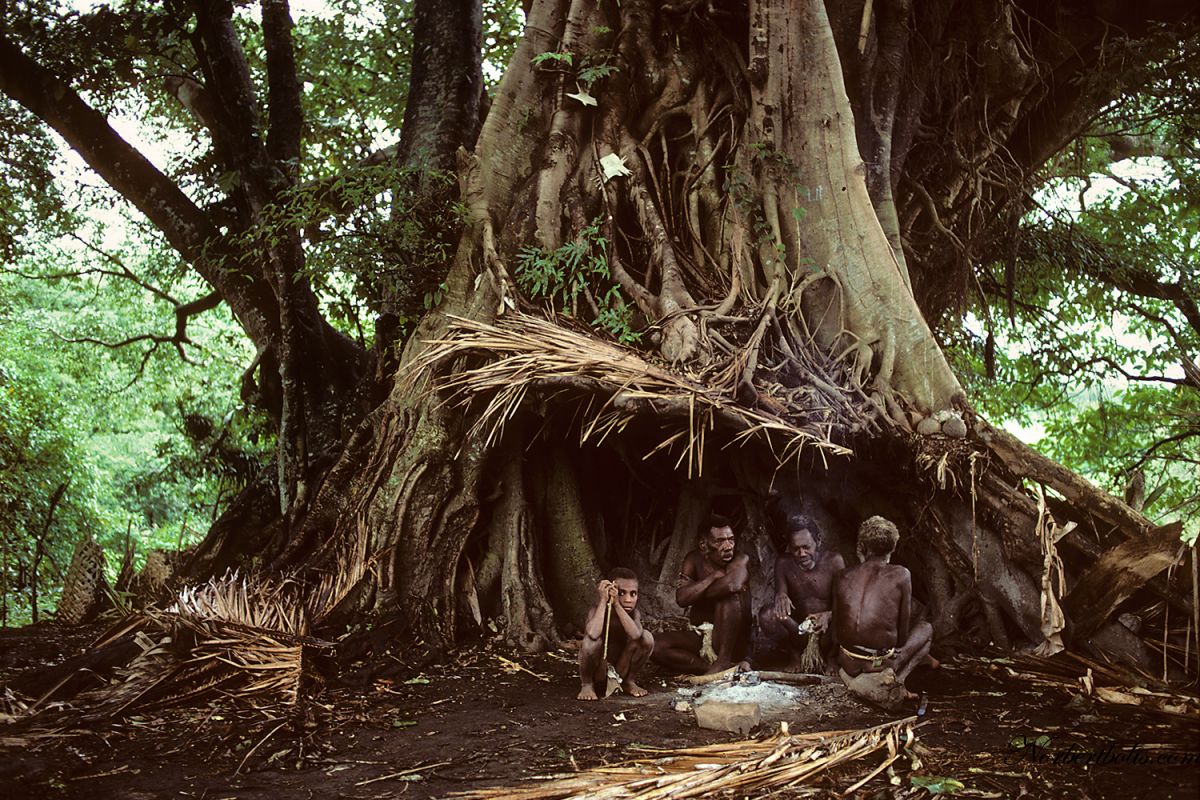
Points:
718	666
633	690
931	662
793	666
587	693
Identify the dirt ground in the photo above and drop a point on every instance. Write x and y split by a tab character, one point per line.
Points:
487	717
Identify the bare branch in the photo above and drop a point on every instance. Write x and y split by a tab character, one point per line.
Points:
1150	451
185	311
125	272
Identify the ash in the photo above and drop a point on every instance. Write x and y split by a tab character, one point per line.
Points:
769	696
775	700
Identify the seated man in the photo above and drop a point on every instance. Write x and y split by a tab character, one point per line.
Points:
878	644
803	594
714	585
614	631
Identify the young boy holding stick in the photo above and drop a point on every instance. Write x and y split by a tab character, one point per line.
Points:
614	630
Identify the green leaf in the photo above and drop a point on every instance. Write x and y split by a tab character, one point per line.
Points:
561	58
936	785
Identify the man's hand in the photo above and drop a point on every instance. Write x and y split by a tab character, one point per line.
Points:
607	591
783	606
820	621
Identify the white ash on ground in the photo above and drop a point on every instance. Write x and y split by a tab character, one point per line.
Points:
774	699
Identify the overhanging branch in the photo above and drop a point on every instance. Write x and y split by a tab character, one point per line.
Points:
132	175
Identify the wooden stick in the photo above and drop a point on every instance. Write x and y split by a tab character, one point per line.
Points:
700	680
607	620
797	678
260	743
402	772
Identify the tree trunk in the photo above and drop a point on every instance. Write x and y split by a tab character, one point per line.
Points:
689	180
746	231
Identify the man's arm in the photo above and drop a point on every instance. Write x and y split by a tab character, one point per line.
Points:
783	600
902	616
734	579
594	627
688	590
630	623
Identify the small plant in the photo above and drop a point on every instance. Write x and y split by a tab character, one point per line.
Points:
564	57
562	275
590	72
434	298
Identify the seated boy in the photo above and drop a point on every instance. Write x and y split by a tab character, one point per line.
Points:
628	644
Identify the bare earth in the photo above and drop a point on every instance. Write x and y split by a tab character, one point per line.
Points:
475	721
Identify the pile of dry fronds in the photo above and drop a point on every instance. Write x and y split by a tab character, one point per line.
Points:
524	356
1107	683
238	637
232	636
775	762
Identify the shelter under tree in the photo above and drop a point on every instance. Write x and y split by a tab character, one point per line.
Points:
702	249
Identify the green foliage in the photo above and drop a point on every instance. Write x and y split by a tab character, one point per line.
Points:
937	785
29	153
1079	336
591	70
142	442
355	59
573	271
503	24
563	57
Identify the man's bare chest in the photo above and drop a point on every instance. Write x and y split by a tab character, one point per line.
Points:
816	583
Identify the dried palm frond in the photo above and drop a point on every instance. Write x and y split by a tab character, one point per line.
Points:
244	637
254	604
774	762
350	565
525	354
1054	579
1108	683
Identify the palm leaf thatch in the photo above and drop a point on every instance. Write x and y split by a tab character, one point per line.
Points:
772	763
349	563
524	355
245	638
1073	673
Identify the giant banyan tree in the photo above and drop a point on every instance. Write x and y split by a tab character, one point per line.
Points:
705	249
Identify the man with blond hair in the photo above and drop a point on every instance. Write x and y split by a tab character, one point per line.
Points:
878	642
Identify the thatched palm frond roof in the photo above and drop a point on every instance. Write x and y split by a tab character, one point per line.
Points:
504	363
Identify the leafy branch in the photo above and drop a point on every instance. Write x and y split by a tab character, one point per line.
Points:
565	275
